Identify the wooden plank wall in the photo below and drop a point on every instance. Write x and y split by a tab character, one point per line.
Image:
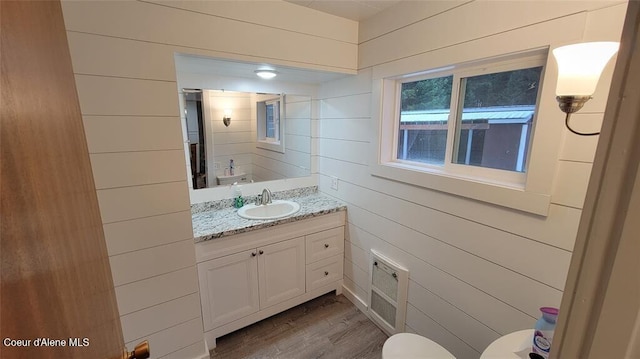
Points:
477	271
123	60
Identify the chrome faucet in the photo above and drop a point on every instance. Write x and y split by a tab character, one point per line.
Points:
265	198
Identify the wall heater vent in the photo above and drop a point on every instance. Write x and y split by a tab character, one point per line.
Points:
388	294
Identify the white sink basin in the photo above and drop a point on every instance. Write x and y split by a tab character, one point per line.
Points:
274	210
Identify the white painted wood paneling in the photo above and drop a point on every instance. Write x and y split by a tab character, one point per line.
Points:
147	22
354	106
237	123
357	275
232	137
281	15
495	313
134	266
137	168
356	290
401	14
142	233
447	239
427	327
145	322
120	204
298	107
131	133
349	151
299	127
578	148
497	17
109	56
465	327
101	95
346	129
298	143
156	290
232	149
557	229
571	183
480	273
356	255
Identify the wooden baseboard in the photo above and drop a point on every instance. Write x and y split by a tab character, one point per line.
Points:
357	301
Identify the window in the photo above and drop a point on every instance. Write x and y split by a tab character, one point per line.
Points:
424	117
493	128
272	121
270	124
487	130
449	121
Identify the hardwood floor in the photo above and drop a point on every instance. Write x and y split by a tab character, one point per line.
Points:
326	327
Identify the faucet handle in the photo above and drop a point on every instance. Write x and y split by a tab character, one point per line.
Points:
258	200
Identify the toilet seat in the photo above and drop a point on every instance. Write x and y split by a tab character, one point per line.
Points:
412	346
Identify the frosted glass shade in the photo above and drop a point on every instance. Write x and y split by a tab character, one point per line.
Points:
266	74
580	66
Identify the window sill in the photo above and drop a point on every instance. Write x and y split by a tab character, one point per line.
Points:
501	194
271	145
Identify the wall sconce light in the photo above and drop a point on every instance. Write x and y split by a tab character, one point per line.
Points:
226	118
579	69
266	73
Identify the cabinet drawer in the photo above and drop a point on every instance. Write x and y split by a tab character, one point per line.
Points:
324	272
325	244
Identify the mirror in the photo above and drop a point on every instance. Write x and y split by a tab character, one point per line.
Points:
246	136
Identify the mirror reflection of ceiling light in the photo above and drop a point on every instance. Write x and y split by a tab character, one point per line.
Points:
266	73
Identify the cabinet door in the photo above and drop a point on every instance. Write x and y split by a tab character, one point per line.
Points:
282	271
228	288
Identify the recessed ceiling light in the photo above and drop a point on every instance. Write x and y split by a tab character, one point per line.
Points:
266	73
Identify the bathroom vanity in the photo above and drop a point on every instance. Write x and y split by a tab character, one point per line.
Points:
252	269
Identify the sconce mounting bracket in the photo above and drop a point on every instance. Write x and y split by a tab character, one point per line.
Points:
571	104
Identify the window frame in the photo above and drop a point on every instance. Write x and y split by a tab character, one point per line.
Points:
485	184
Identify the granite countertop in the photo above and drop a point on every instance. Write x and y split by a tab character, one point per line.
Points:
211	223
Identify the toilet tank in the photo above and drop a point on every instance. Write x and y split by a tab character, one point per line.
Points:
240	178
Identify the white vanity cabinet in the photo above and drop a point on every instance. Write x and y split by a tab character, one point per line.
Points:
241	284
250	276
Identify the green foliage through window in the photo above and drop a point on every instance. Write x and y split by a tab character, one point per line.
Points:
429	94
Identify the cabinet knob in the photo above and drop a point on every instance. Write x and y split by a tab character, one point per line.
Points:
261	251
326	273
326	245
253	254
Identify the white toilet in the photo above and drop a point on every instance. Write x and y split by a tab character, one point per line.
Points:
412	346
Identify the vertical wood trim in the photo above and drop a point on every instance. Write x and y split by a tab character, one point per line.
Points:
56	278
608	200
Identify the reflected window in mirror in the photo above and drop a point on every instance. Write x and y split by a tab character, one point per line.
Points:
270	134
272	121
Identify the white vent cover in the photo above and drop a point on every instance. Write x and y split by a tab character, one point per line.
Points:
388	294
